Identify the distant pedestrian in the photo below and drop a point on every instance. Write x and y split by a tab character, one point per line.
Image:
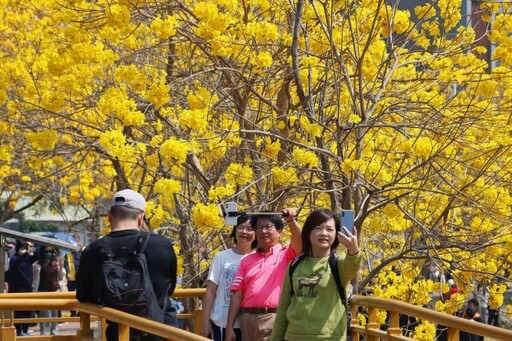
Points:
49	277
20	277
472	312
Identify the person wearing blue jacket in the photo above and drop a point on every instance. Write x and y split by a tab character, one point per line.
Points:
19	278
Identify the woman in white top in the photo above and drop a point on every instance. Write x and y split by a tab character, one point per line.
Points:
222	271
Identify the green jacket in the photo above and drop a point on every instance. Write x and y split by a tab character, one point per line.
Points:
315	311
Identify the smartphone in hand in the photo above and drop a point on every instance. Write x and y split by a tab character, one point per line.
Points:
347	220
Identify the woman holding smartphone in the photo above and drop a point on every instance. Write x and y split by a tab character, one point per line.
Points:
307	308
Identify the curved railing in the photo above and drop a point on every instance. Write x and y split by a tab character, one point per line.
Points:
67	301
372	330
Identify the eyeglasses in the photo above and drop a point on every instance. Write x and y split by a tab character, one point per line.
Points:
267	227
242	227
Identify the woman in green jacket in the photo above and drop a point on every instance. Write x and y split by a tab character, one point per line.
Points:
310	307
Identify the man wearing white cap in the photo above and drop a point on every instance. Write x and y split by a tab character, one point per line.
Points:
126	218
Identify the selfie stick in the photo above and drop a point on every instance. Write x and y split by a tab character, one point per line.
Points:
231	213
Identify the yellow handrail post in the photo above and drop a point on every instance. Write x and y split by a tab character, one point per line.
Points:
394	323
85	330
354	321
372	324
198	318
123	331
453	334
8	333
103	328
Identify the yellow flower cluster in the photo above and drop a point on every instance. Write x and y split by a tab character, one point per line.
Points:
118	15
219	192
285	176
116	102
114	142
174	149
398	19
158	94
201	98
132	76
207	216
425	331
42	140
305	157
451	306
196	119
450	11
167	187
496	292
217	147
164	28
157	214
421	147
238	174
271	148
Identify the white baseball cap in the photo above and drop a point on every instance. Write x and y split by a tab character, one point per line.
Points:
129	198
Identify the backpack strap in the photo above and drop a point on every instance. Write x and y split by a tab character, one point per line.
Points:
142	242
293	265
106	252
333	264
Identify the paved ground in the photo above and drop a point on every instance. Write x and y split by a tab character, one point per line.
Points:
68	328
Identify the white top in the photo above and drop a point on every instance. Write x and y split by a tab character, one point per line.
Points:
222	271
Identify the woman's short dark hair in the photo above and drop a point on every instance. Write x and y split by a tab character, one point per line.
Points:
314	219
274	219
242	218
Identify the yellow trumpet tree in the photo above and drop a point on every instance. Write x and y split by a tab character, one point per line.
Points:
273	103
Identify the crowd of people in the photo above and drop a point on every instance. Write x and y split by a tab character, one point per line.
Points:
259	289
248	294
31	268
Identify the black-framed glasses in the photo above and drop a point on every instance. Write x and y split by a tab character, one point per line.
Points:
266	227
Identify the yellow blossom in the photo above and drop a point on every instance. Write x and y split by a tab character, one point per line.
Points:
207	216
238	174
42	140
305	157
118	16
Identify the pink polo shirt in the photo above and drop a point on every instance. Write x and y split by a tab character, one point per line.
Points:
260	276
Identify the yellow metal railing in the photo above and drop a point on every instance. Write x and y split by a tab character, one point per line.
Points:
90	312
453	324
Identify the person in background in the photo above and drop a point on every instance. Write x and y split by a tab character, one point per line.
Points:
472	312
71	265
19	278
180	309
49	277
312	309
220	277
257	284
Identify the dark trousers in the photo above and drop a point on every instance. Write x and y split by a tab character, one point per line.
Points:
494	317
219	333
21	327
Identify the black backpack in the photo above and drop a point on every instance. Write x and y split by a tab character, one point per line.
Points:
125	281
333	264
